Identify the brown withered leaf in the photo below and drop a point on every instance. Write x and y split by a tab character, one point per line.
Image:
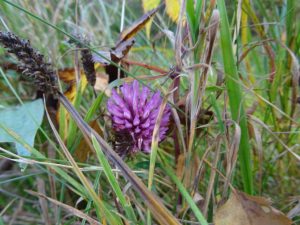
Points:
136	26
116	54
112	72
121	50
67	75
243	209
122	47
83	150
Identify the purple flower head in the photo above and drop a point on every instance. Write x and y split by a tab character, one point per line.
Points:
134	112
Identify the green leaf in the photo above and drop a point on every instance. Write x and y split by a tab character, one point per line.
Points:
24	120
113	181
185	194
235	95
1	221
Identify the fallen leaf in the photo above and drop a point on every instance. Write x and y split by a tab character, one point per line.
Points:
70	93
243	209
67	75
102	57
116	54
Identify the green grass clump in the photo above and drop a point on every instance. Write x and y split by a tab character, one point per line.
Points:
230	73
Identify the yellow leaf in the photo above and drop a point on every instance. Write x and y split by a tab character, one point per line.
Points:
173	9
147	6
72	90
68	76
150	4
84	83
70	93
243	209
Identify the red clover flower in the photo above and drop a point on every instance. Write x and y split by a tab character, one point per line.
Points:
134	112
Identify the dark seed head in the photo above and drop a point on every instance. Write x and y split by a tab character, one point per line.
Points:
33	66
87	60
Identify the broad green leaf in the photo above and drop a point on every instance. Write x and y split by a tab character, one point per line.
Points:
24	120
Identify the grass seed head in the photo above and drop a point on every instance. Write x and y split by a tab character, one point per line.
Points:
86	59
32	63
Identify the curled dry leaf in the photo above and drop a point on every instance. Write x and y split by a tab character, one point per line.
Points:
243	209
136	26
116	54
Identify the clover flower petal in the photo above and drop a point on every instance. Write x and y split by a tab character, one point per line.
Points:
134	111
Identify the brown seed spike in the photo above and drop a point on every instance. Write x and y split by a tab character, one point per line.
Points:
86	59
32	65
88	66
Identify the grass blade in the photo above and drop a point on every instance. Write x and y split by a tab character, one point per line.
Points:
154	148
113	181
100	206
72	210
161	214
186	195
235	98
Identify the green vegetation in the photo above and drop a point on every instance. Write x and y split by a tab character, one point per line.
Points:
228	69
